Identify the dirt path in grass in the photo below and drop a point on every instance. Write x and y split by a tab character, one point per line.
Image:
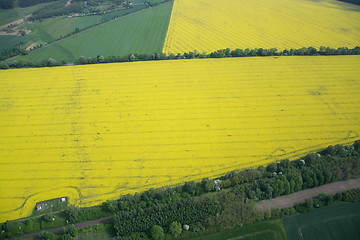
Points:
300	197
17	22
79	225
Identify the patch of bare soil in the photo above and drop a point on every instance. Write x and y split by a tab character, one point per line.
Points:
300	197
31	46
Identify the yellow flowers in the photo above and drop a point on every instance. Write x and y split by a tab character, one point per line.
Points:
210	25
98	131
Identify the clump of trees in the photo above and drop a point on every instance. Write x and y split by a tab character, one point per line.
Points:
27	3
187	210
7	4
11	52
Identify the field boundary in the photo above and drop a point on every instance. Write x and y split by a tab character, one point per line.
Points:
300	197
86	29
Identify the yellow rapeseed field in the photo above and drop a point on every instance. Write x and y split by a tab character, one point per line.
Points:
94	132
209	25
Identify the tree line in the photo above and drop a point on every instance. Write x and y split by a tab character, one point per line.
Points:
223	53
7	4
27	3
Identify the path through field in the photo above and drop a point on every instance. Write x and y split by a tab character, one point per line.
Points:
300	197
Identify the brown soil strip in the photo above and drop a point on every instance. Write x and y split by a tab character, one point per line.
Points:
300	197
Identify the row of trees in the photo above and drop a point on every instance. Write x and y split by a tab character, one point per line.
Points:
223	53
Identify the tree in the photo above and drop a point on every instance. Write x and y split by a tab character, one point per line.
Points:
157	232
357	145
46	236
51	62
4	65
225	184
208	185
111	205
66	237
72	213
340	150
189	187
82	60
175	229
73	231
326	199
29	225
271	167
330	150
49	217
309	204
132	58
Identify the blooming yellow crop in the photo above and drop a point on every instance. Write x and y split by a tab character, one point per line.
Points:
209	25
94	132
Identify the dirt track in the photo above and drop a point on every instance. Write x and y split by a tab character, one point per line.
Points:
300	197
79	225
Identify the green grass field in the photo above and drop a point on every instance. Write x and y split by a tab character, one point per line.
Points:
341	221
269	230
142	32
51	29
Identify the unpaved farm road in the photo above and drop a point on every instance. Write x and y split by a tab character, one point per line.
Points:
300	197
79	225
